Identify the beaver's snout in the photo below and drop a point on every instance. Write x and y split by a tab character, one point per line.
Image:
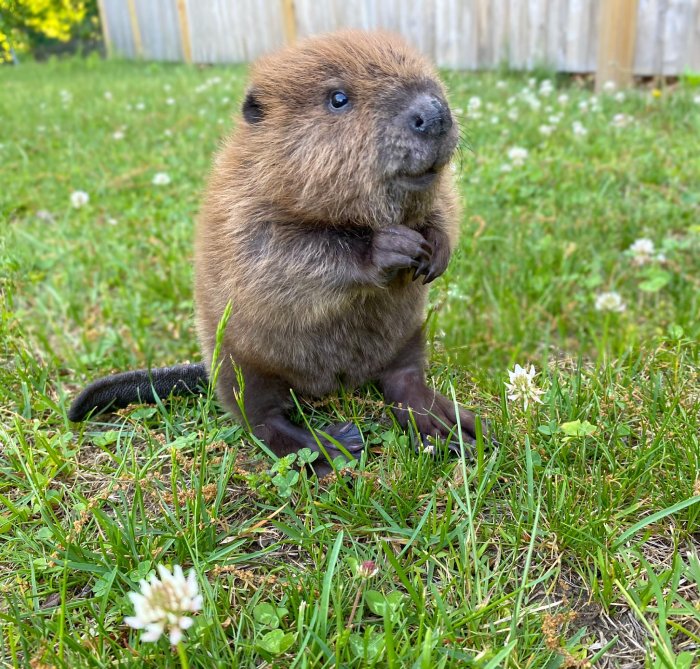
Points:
421	141
428	115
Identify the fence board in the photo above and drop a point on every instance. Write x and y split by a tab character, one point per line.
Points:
163	42
691	57
465	34
119	26
676	34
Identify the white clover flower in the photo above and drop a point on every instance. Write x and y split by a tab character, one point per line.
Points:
500	84
140	106
167	88
533	102
495	120
164	604
642	251
531	82
117	135
160	179
611	301
563	99
583	106
696	99
609	87
170	101
474	105
511	101
546	88
578	129
513	114
620	120
546	130
225	100
522	386
517	155
168	132
554	119
79	198
108	95
619	97
506	167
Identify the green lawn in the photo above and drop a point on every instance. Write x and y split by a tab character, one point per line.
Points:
574	539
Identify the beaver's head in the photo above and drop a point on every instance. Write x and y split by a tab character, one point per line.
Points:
348	128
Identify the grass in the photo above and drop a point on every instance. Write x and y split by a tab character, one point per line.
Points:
574	540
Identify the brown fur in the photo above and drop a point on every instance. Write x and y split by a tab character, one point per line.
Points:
299	226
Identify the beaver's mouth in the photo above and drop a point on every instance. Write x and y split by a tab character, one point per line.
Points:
419	181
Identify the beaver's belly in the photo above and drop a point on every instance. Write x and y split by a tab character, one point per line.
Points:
346	349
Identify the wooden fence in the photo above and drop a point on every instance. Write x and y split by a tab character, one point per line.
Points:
616	38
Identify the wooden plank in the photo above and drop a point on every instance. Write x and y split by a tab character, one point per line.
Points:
483	37
159	30
499	32
692	56
575	36
117	16
648	52
593	37
289	21
536	36
104	23
554	29
676	34
135	29
518	34
457	37
578	25
185	38
616	43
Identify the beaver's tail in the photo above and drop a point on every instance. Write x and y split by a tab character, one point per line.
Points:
142	386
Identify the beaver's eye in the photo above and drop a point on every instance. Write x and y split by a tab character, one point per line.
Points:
339	101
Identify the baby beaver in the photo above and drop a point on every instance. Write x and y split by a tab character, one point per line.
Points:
328	211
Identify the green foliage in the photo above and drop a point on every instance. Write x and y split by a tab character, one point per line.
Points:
275	641
571	539
24	24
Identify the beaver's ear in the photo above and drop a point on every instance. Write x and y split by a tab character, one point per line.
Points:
253	111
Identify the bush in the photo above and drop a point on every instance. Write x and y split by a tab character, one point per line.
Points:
45	27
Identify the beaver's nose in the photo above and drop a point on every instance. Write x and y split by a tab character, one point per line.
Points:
429	115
